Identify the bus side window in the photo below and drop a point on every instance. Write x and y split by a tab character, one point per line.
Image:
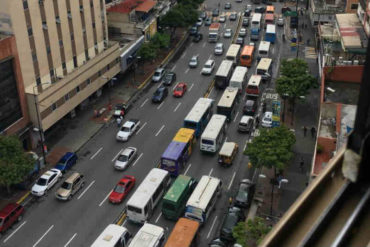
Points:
146	209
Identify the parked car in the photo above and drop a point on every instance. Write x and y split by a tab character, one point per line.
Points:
233	216
244	196
222	19
239	41
9	215
66	162
70	186
267	120
280	21
199	22
125	158
217	242
158	74
246	124
160	94
208	67
193	30
232	17
219	49
242	32
180	89
260	9
208	22
193	63
228	5
169	78
250	107
245	22
203	15
119	110
121	190
215	12
227	33
46	182
247	12
197	37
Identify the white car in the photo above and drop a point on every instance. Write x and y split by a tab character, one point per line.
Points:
45	182
208	67
222	19
219	49
267	119
125	158
227	33
199	22
280	22
242	32
158	74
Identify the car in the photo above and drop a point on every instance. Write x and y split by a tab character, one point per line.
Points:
252	44
260	9
180	89
239	41
208	22
121	190
199	22
222	19
219	49
193	30
66	162
250	107
203	15
228	5
70	186
227	33
245	22
246	124
119	110
197	37
280	22
232	17
242	32
285	9
169	78
9	215
158	74
127	129
239	1
267	120
215	12
217	242
247	12
244	196
125	158
46	182
208	67
160	94
249	6
233	216
193	63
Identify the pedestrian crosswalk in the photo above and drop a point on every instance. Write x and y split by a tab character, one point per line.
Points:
310	52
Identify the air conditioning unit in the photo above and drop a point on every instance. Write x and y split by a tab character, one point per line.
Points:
355	62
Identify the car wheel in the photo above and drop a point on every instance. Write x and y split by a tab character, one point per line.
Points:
20	217
69	197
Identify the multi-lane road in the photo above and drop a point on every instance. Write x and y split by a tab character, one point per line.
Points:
49	222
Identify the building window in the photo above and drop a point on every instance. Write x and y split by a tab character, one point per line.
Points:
108	67
57	19
87	54
53	106
34	57
72	37
66	97
99	73
25	4
52	73
354	6
29	30
93	25
75	61
64	65
88	81
38	81
81	8
61	43
48	49
78	89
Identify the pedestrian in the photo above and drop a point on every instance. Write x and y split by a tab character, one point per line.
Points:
122	113
119	120
257	121
304	131
313	131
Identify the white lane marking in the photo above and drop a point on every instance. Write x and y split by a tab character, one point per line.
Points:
177	107
191	87
231	182
97	152
236	115
183	55
173	68
144	103
213	224
19	227
204	44
137	159
245	145
159	131
160	105
38	241
187	70
210	56
210	172
226	139
187	169
88	187
225	25
174	87
141	128
70	240
115	157
159	216
159	85
106	197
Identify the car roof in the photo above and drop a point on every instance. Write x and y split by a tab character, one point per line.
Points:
209	61
66	156
8	209
268	114
127	150
48	174
73	176
159	69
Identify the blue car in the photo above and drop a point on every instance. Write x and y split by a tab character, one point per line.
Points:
66	162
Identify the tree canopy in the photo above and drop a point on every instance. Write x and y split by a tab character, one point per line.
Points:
250	232
160	40
147	52
272	148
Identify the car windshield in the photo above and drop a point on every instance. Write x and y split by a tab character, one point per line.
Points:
42	181
178	89
122	158
119	189
1	221
208	66
125	129
157	73
169	76
157	93
193	60
66	185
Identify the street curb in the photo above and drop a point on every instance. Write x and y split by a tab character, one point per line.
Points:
21	200
237	30
121	218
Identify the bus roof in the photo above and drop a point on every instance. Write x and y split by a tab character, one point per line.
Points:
269	17
147	236
183	233
247	50
202	194
184	135
270	28
233	50
174	150
255	80
264	64
239	74
147	187
198	110
264	46
110	236
180	184
256	17
228	97
214	126
270	9
224	69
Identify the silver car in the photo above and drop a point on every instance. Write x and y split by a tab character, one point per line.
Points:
242	32
125	158
193	63
219	49
227	33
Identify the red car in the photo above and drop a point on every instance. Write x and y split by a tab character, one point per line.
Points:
180	89
10	214
121	190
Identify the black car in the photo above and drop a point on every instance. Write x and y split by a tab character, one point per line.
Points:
247	12
260	9
197	37
193	30
245	193
239	41
228	5
217	242
250	107
233	216
245	22
160	94
169	78
215	12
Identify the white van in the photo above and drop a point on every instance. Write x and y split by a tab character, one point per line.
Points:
238	78
263	50
113	236
148	236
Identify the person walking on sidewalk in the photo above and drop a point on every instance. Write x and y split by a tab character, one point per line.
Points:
313	131
304	131
119	121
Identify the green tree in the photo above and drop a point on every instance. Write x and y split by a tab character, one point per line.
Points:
272	148
189	12
173	19
251	232
147	52
15	165
160	40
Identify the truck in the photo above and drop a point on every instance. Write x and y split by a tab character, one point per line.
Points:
213	34
127	129
255	34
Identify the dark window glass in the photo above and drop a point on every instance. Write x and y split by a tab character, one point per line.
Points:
88	81
38	81
34	57
25	4
53	106
29	30
78	89
64	65
66	97
75	61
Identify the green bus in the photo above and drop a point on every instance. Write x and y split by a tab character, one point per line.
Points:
174	201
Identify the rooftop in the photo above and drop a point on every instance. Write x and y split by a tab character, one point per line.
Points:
351	31
130	5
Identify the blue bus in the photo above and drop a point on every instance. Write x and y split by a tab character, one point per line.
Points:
198	117
175	157
270	33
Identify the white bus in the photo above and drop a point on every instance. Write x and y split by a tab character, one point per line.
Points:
264	68
238	78
263	50
228	103
148	236
256	21
214	134
203	199
141	204
113	236
223	74
198	117
233	53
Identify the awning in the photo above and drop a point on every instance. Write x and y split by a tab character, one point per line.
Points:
146	6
